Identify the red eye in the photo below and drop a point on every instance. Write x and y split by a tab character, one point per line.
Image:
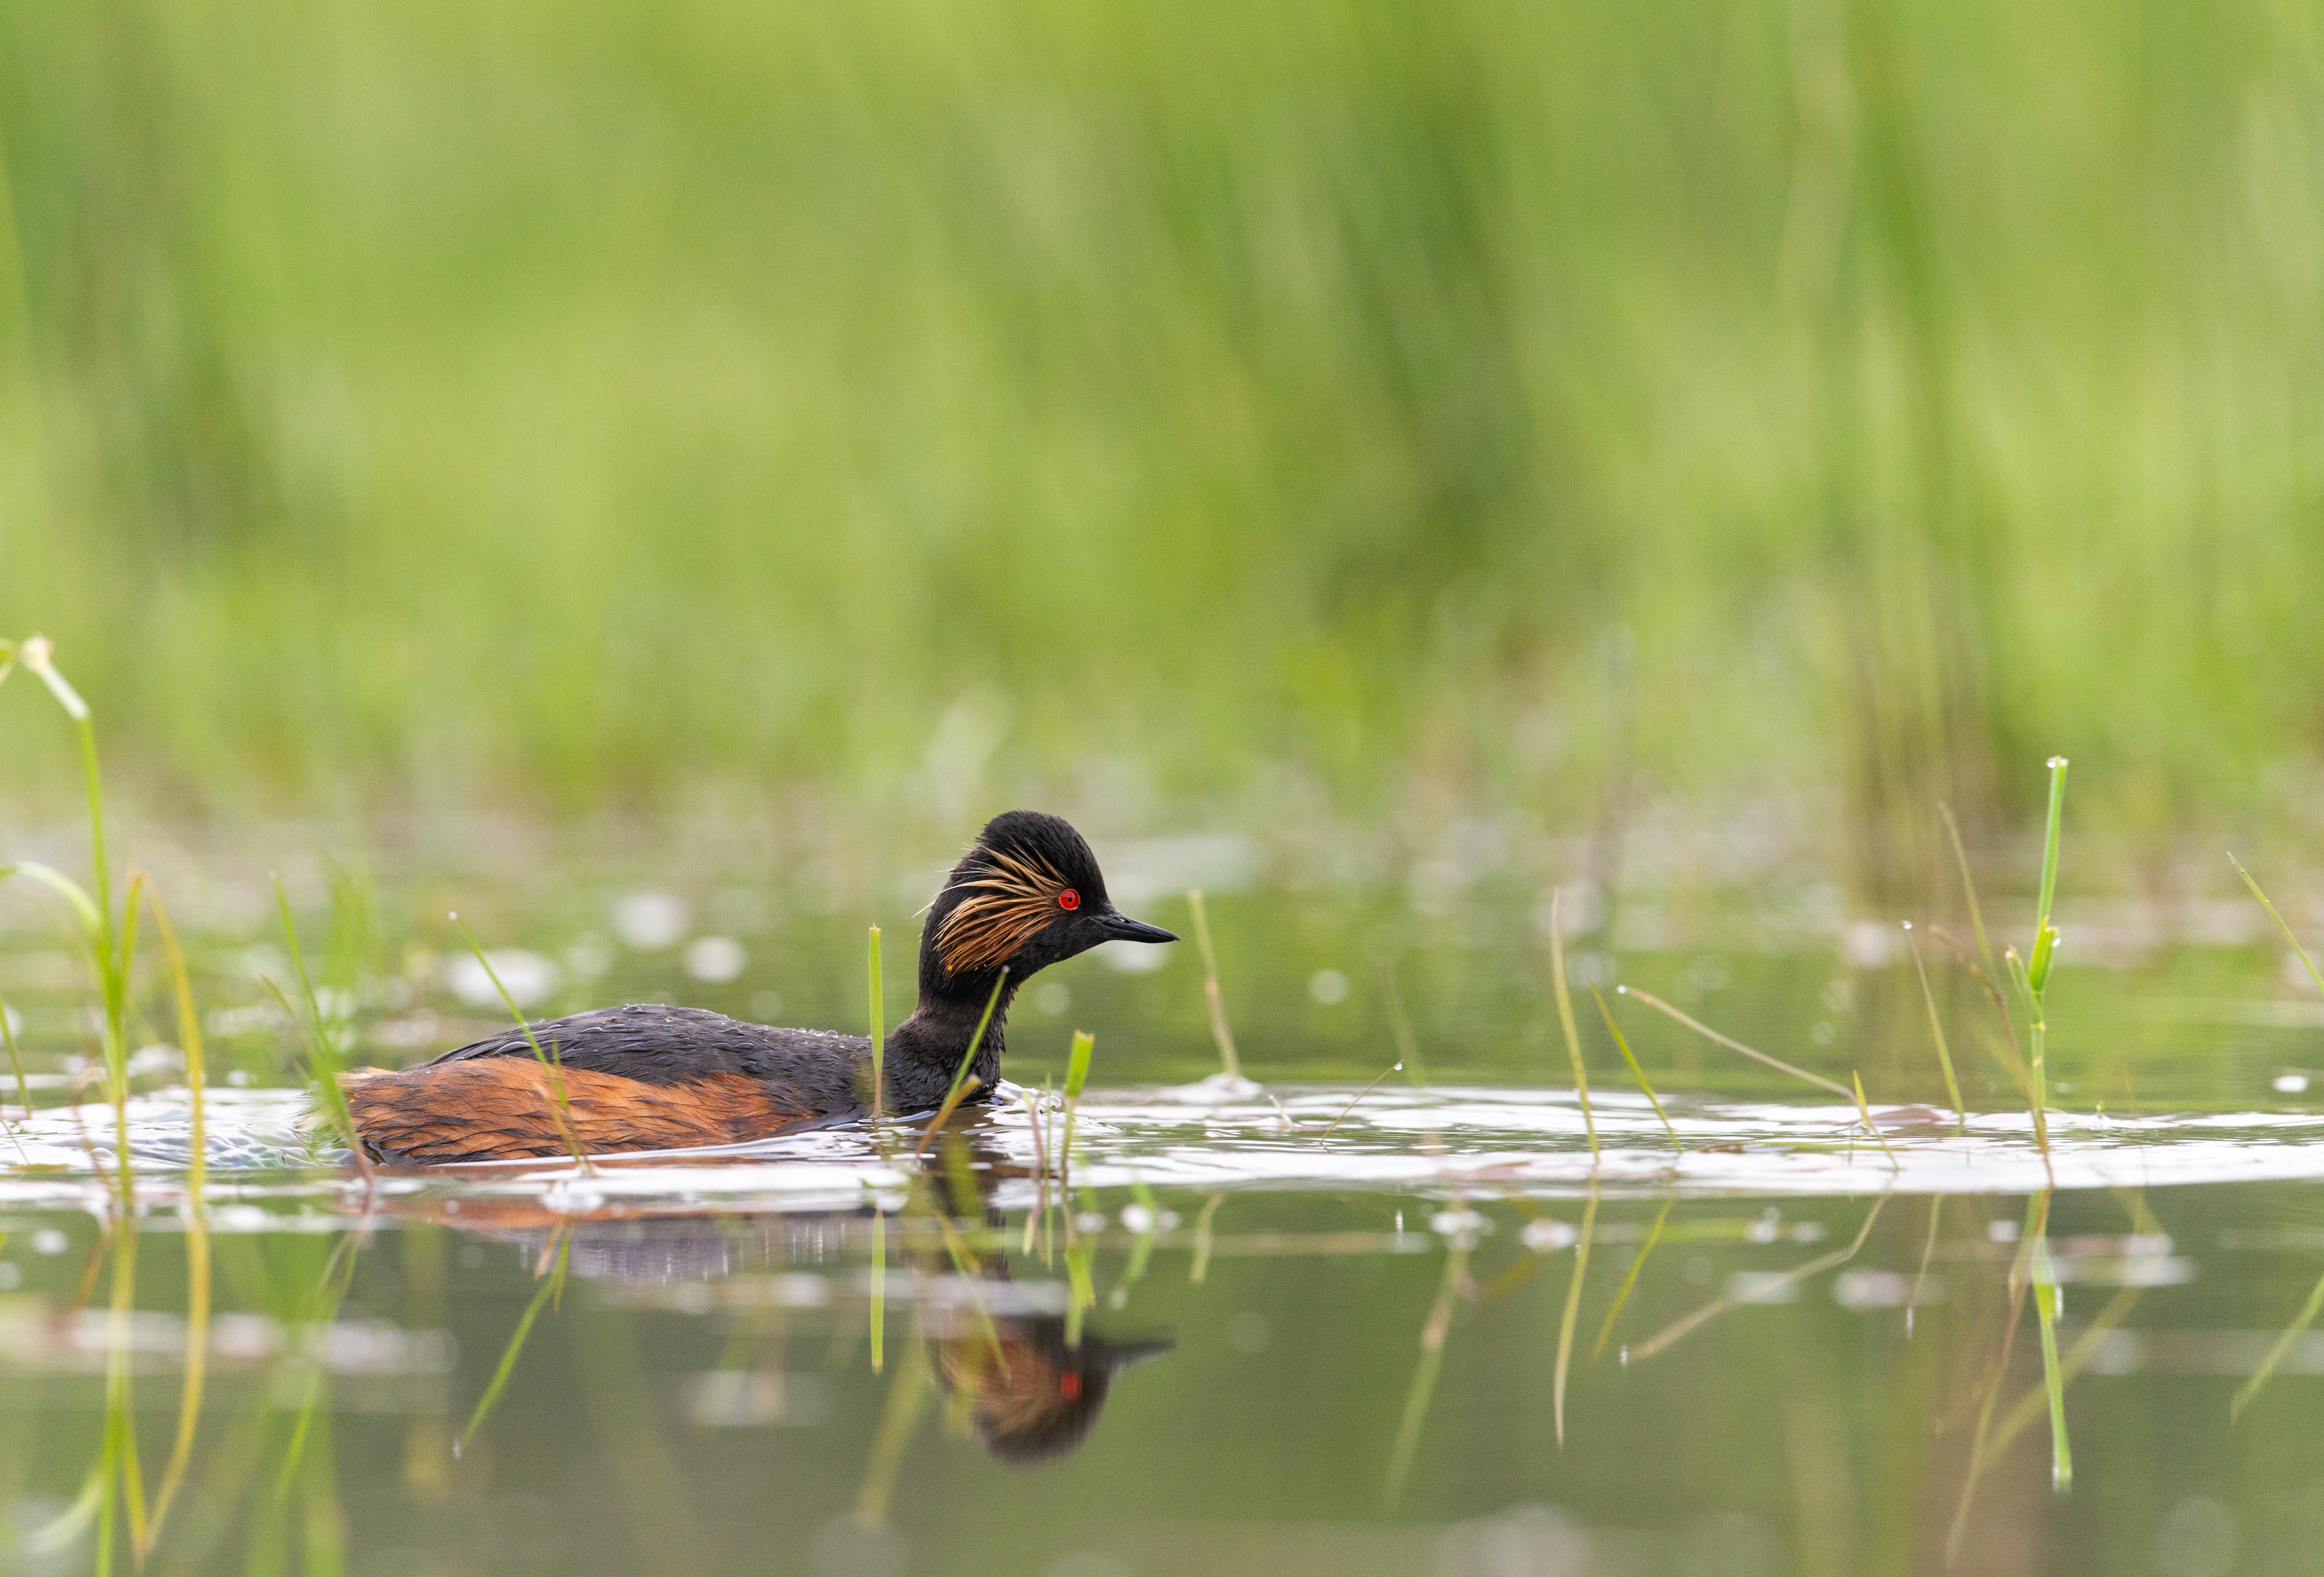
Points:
1069	899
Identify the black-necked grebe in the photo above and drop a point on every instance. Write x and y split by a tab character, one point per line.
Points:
647	1077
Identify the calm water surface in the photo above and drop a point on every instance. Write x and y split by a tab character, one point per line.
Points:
1270	1328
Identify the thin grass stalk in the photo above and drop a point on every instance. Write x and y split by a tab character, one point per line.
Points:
322	1055
1078	1071
2037	1098
960	1078
1622	1044
878	1313
38	657
2306	963
2250	1388
2014	1061
1220	1032
1572	1311
1423	1374
15	1059
879	1030
1034	1217
1928	1250
1201	1266
1969	887
331	1292
552	1285
898	1419
1937	1030
551	1060
1622	1293
2034	1403
1400	1027
960	1092
198	1240
1708	1033
1565	1022
1368	1089
1679	1329
1864	1112
2037	971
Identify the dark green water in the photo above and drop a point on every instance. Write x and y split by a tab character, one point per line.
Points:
1302	1347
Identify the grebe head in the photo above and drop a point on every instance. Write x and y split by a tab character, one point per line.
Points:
1028	895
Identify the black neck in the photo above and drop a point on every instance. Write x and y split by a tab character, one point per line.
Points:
924	1054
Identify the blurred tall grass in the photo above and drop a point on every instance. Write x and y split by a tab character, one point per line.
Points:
1423	406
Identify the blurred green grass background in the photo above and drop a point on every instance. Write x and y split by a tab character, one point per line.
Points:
1392	408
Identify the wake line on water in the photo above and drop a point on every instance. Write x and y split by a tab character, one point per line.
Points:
1475	1142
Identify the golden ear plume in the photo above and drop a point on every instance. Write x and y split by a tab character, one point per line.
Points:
1009	900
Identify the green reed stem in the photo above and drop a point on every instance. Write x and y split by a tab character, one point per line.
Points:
2036	976
2045	1311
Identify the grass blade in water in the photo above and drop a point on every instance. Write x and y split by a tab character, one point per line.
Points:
1623	1045
1937	1030
2306	963
1573	1309
963	1085
879	1031
1228	1061
198	1241
2045	1311
1423	1374
2250	1388
1622	1293
552	1285
1565	1022
552	1067
1708	1033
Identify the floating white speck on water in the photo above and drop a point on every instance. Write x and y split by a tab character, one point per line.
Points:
1137	1218
2290	1084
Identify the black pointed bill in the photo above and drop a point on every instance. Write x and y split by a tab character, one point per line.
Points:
1120	928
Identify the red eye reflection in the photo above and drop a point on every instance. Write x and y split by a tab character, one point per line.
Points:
1069	899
